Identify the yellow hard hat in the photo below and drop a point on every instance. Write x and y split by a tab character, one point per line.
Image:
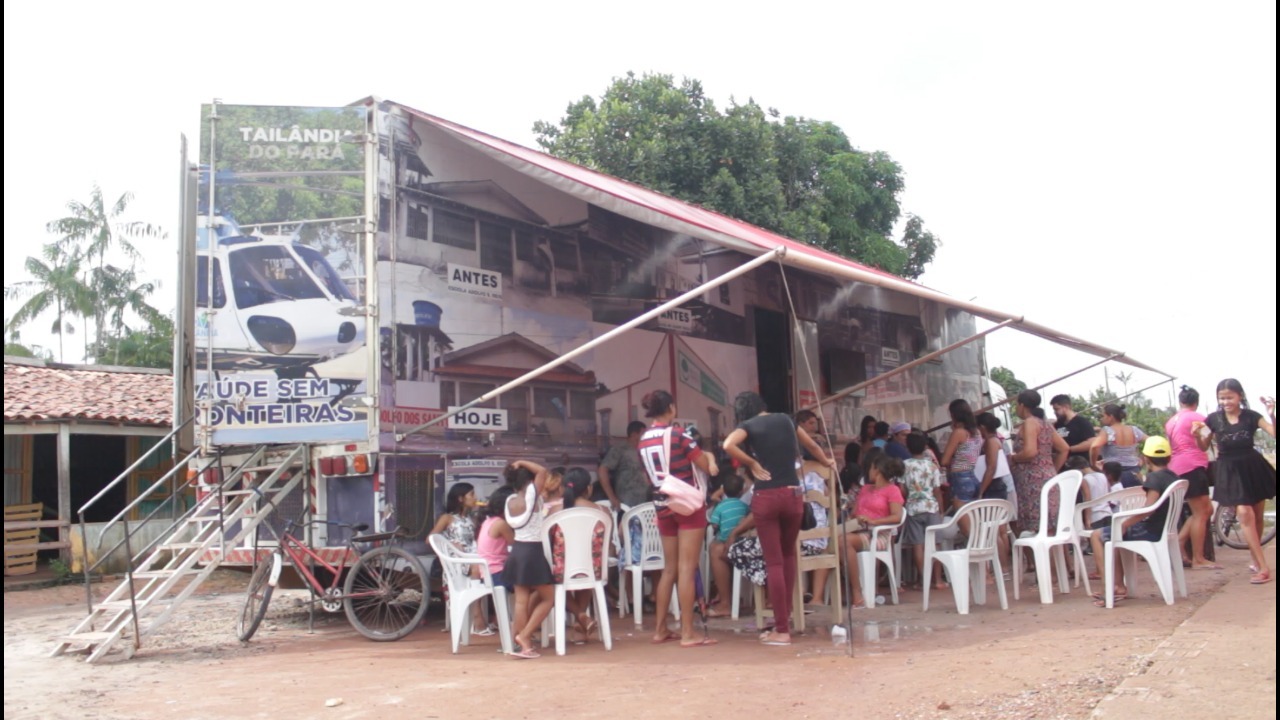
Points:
1156	447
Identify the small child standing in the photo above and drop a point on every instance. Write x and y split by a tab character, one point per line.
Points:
1099	518
922	479
725	516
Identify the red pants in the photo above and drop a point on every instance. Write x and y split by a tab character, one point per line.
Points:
778	513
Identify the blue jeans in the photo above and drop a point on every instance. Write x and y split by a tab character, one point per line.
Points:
964	485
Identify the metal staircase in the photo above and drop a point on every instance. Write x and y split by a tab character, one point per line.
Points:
168	570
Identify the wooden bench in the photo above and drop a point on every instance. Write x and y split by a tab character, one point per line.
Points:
22	526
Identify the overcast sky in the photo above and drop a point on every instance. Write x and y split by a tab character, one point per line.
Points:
1107	169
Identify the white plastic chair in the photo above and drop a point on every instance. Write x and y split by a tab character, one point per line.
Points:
868	558
1046	548
465	590
1124	499
577	526
651	558
1163	556
615	558
986	517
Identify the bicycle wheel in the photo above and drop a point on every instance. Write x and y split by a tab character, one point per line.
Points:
385	595
257	599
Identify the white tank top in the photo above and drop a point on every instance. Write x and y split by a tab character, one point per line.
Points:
528	524
1002	465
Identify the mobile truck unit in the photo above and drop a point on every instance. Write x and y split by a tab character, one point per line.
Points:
368	270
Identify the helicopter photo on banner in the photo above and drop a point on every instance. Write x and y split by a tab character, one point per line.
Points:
280	319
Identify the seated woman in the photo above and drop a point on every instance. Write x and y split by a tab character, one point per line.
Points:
879	503
573	492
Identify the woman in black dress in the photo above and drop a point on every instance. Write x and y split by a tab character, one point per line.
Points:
1242	477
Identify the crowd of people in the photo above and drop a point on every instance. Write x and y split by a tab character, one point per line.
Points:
751	493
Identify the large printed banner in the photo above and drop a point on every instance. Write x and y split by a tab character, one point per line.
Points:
283	329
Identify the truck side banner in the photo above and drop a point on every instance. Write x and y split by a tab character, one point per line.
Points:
280	281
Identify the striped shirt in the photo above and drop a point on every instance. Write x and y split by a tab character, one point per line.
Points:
653	451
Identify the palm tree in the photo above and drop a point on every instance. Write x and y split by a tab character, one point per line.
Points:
55	285
92	229
117	292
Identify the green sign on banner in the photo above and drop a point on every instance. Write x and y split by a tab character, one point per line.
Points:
694	376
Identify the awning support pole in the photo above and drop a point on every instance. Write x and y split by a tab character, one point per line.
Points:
1041	386
914	363
779	252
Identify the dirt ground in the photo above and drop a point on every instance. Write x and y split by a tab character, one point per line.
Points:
1034	661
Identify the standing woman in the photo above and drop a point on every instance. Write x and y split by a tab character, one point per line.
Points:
776	504
1242	477
1191	463
1038	450
668	452
867	435
961	456
526	568
1120	443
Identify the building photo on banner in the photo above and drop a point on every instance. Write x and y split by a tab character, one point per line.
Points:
485	274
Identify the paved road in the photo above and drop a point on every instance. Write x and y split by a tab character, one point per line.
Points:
1221	662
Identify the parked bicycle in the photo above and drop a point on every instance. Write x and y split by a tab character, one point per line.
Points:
385	594
1228	531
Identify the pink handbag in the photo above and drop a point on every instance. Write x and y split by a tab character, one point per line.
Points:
682	498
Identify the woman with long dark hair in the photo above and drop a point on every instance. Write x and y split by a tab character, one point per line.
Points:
776	503
668	452
1242	477
961	456
867	432
1191	463
1119	442
1038	450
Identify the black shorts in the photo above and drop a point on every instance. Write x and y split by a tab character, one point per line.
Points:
1197	482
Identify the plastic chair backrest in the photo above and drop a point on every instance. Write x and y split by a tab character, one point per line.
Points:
1067	485
455	572
1129	498
651	541
986	517
1173	495
578	525
607	508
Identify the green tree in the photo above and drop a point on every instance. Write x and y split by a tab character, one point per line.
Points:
1141	411
797	176
149	346
92	229
120	295
55	285
1005	378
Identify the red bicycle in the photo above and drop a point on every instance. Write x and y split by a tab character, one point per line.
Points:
384	596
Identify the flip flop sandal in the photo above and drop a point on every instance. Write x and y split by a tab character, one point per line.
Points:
704	642
1260	579
526	655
